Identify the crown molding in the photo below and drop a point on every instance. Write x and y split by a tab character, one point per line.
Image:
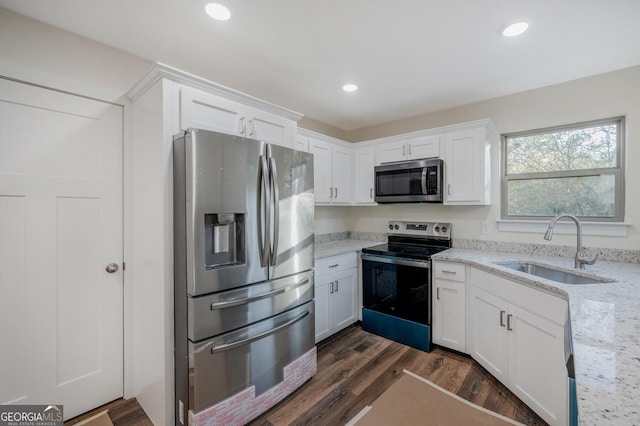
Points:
160	71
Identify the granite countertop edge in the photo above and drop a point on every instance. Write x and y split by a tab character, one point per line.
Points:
605	323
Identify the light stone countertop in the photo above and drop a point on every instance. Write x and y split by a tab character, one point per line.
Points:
334	248
605	322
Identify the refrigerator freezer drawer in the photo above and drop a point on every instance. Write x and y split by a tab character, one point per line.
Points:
219	313
252	356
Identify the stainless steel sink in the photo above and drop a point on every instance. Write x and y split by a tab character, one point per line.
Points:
553	274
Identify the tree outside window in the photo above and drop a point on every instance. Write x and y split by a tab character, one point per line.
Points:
574	169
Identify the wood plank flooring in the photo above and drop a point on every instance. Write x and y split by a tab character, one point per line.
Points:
355	368
123	412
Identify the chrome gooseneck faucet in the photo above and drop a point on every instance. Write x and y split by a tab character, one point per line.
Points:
580	259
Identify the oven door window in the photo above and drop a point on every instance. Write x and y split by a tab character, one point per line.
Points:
398	290
399	182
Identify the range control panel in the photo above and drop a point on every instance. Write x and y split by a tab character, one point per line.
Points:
425	229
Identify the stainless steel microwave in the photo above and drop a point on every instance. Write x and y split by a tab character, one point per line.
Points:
416	181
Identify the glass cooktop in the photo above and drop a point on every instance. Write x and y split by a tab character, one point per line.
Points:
410	251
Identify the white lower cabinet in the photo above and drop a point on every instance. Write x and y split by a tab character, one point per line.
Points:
518	334
449	305
335	294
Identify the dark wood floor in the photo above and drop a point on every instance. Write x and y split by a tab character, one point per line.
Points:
122	412
355	368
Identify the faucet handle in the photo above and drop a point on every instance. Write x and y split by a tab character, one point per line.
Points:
585	261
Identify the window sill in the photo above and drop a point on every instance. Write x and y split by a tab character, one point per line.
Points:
605	229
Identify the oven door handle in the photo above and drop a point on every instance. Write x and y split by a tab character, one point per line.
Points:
395	261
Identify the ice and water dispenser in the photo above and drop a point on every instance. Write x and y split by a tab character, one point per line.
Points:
224	239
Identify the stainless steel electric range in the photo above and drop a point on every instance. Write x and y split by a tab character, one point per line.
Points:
396	280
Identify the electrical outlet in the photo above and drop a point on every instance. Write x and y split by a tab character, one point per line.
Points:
486	228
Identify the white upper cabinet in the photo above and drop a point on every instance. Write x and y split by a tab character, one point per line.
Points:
408	148
301	143
467	167
364	176
322	168
332	168
207	111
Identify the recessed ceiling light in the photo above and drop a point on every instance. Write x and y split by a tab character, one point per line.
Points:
349	87
515	29
217	11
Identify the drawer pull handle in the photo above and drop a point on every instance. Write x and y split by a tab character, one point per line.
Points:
334	266
227	346
242	300
444	271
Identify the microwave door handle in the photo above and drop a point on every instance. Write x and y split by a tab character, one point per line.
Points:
424	181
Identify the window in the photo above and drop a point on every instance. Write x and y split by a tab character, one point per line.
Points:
575	169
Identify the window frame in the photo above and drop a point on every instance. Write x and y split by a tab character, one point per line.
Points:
618	172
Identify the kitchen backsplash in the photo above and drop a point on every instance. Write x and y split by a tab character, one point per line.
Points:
606	254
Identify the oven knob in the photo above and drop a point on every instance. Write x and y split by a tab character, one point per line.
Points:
390	226
437	229
397	227
444	229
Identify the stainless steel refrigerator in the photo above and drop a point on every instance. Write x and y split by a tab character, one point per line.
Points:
243	241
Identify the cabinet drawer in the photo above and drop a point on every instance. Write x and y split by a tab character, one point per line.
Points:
335	263
450	271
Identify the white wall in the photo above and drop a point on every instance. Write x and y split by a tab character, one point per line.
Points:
45	55
601	96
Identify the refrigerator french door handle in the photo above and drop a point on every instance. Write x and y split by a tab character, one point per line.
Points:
245	300
275	196
263	212
227	346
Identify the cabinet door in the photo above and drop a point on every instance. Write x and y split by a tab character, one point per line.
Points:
341	176
364	174
301	144
206	111
322	307
537	374
449	316
489	344
465	167
270	128
423	147
391	151
323	188
343	299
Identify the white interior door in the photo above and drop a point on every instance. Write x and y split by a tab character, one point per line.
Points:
61	312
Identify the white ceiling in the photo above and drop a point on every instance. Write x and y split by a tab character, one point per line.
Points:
408	57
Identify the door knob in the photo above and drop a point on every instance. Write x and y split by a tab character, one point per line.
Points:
111	268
